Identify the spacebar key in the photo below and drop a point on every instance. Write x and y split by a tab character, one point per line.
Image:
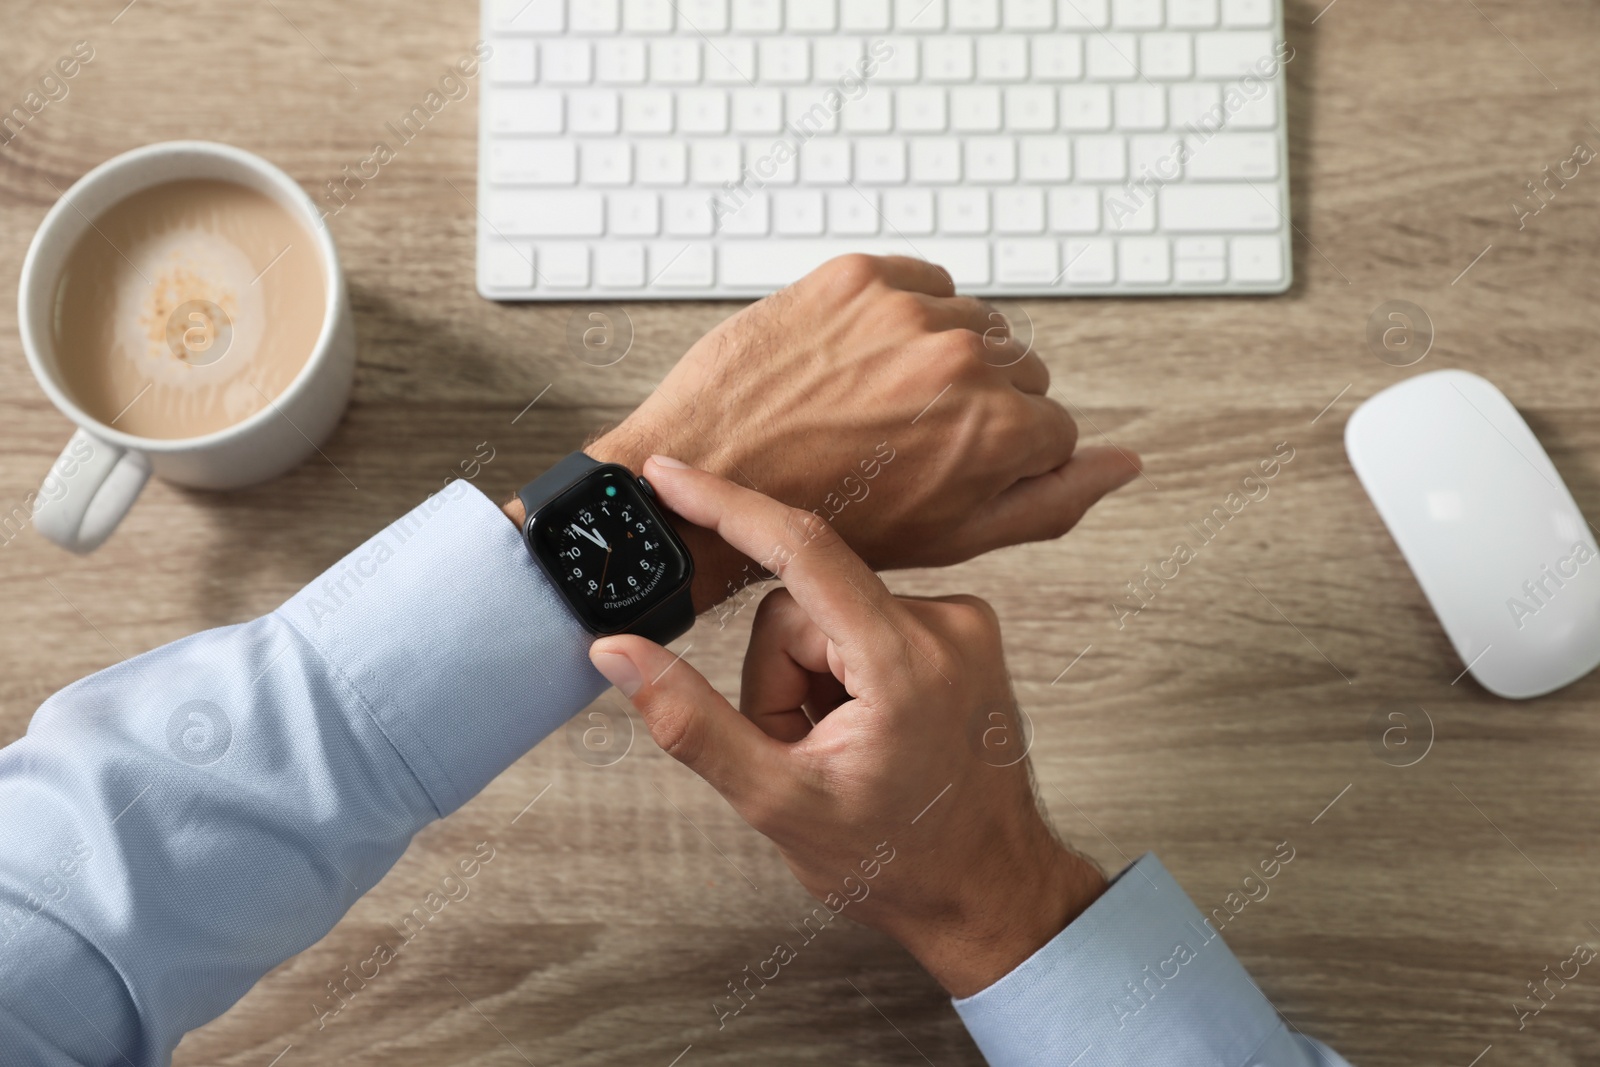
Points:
769	265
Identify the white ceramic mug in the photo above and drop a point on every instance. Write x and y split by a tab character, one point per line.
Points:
99	475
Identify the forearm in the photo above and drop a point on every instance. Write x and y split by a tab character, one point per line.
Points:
181	823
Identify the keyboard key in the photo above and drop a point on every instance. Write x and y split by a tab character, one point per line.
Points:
620	62
1145	260
1202	248
540	213
751	217
1130	210
1075	209
1232	55
715	162
607	162
594	111
1019	211
1027	262
646	16
908	211
963	211
1201	271
1141	107
703	111
699	16
1002	58
1083	14
530	16
935	160
920	16
974	14
619	265
796	214
773	162
813	16
757	111
834	57
533	162
902	64
991	159
526	111
1030	108
756	16
1045	159
682	266
921	110
1029	14
1057	57
563	265
595	16
1112	56
1191	14
784	61
635	214
948	59
1257	260
1086	107
688	214
1166	56
872	113
809	114
508	264
675	61
1136	14
1247	13
567	62
1234	155
513	63
1101	159
881	161
975	109
663	162
966	260
866	16
1213	208
1258	114
825	161
731	61
646	111
1156	156
852	213
1199	104
1091	262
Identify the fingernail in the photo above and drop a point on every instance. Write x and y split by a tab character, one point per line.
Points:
668	461
619	671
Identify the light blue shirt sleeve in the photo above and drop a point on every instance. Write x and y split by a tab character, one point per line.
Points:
177	825
1137	980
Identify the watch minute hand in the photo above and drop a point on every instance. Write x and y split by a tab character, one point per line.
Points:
596	538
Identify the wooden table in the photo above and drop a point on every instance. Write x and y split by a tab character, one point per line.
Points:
1234	713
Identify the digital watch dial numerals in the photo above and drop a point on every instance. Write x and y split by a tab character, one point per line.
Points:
610	554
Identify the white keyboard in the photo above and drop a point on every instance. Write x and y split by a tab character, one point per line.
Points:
683	149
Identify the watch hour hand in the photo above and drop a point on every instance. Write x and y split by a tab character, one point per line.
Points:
596	538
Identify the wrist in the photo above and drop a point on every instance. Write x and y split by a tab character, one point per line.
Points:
1004	927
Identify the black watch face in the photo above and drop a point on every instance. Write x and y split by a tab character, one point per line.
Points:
610	550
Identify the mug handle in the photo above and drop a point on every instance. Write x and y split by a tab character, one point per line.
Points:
88	491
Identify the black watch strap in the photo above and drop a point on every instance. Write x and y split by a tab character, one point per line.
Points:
670	619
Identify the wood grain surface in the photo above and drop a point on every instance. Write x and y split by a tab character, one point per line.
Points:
1222	720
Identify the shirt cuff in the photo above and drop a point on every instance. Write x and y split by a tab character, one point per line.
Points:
1140	978
454	638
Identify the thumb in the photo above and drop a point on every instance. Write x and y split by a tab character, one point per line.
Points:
690	720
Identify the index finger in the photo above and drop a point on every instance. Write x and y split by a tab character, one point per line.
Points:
841	594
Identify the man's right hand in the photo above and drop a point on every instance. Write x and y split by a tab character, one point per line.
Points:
862	736
871	393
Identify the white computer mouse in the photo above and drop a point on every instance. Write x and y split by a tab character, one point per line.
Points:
1504	555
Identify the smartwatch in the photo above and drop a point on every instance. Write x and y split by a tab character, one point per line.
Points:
595	529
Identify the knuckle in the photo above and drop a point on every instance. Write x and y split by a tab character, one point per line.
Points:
807	529
854	271
679	732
